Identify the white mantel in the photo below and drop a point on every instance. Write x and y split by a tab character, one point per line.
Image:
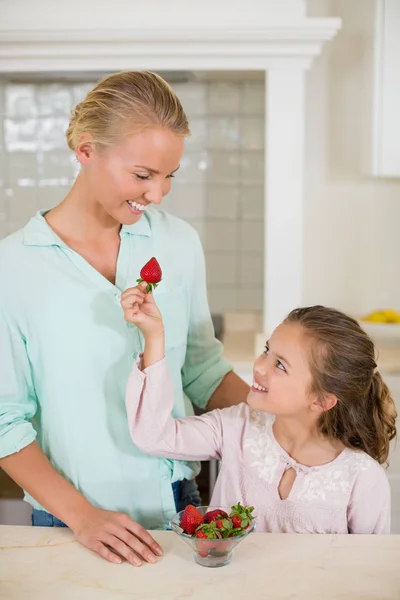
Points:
271	36
174	49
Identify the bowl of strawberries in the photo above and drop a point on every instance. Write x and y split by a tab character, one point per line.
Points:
213	532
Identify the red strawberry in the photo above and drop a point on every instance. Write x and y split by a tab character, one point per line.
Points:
223	546
151	273
203	548
215	546
219	523
191	519
213	515
201	534
206	532
241	515
236	521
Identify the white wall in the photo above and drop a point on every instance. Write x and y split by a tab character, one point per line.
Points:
125	14
352	220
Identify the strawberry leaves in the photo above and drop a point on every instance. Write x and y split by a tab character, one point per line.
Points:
241	515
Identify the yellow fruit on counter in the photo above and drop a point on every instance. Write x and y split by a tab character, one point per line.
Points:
375	317
388	315
392	316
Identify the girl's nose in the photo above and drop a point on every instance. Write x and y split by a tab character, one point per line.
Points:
261	366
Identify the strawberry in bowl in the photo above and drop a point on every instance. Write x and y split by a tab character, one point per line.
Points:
213	532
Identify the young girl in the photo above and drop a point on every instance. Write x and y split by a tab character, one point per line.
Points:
306	450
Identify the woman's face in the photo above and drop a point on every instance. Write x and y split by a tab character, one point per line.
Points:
124	179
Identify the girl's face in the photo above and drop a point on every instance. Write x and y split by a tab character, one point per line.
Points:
282	376
124	179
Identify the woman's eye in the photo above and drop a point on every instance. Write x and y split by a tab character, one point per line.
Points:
146	177
266	349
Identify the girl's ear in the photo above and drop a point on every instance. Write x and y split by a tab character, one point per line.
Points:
324	403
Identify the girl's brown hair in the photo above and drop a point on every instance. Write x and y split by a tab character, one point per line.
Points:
343	364
126	102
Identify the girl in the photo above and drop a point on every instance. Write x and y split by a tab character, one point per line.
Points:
65	349
306	450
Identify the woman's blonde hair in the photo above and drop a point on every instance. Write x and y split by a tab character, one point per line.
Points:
343	364
125	103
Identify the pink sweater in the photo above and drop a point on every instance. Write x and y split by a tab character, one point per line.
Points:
351	494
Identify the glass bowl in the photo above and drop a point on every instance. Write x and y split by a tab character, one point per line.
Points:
210	552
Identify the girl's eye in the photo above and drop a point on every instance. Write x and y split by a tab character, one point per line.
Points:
278	363
280	366
170	176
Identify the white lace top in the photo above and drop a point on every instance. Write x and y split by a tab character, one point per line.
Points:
351	494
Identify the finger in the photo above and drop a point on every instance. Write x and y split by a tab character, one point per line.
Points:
105	552
116	543
131	298
139	548
133	315
132	291
149	299
143	535
131	301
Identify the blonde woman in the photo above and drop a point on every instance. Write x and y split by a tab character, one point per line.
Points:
66	351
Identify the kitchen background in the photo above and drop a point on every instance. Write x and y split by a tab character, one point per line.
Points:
218	189
350	218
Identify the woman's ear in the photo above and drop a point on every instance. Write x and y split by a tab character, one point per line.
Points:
85	149
324	403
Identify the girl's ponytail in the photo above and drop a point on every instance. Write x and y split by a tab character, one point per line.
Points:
383	428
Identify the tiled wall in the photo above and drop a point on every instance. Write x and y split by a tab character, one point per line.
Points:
219	187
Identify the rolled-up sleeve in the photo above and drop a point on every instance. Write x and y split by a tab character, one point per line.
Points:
17	397
204	367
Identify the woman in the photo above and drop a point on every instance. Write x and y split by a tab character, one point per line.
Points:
66	351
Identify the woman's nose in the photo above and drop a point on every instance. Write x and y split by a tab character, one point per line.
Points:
155	194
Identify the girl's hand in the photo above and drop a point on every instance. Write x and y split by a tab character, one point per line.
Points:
114	535
141	310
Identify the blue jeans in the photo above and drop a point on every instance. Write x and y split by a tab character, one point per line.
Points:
185	492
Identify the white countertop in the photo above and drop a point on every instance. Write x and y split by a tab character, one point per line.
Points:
42	563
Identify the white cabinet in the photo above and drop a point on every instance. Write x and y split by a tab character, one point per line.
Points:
386	90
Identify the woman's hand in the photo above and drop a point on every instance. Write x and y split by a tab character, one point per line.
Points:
114	535
141	310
